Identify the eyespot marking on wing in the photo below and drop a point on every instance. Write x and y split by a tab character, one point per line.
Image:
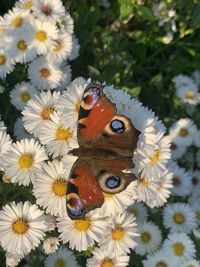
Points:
74	205
113	181
117	126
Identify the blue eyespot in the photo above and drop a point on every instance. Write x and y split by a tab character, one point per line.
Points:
117	126
113	182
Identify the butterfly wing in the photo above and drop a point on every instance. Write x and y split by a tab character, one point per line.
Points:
89	178
100	126
83	190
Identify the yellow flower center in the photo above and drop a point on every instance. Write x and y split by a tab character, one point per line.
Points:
41	36
189	95
106	195
82	225
183	132
45	73
63	133
161	264
46	112
190	265
154	158
178	249
179	218
58	46
145	237
145	182
60	263
21	45
26	161
20	226
27	5
198	215
25	96
2	59
118	233
17	22
60	187
6	179
107	263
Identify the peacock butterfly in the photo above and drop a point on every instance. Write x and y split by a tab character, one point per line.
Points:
106	144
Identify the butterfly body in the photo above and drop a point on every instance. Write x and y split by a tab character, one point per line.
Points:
106	144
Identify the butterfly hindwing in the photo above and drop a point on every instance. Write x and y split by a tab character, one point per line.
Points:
83	190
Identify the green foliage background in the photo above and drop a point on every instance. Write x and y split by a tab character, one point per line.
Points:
122	45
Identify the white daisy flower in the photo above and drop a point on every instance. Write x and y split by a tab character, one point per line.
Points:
66	23
81	233
102	258
182	184
66	77
196	232
149	238
151	155
50	222
182	132
62	257
146	190
75	48
42	36
117	203
44	74
21	94
61	49
177	151
158	259
48	10
50	245
18	21
190	263
179	247
189	94
58	137
19	130
50	188
119	236
5	145
183	81
139	210
23	160
22	227
20	51
179	217
38	110
69	102
6	63
24	4
12	260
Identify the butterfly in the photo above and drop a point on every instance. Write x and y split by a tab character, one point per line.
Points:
104	156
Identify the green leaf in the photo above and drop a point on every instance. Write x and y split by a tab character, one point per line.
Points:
144	13
126	9
195	16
